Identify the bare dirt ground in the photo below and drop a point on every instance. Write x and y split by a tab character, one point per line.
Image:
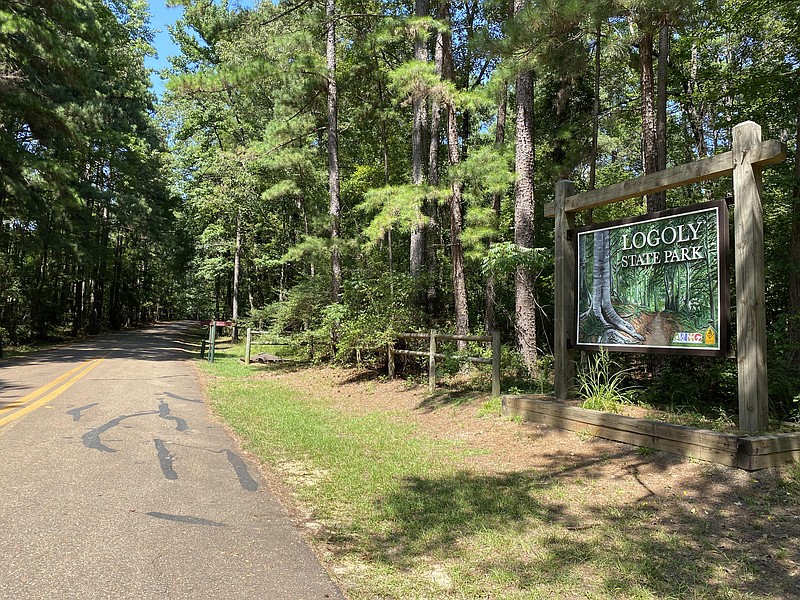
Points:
751	517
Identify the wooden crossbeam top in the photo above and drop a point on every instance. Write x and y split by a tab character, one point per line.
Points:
713	167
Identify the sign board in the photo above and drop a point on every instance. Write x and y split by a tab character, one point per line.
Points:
657	283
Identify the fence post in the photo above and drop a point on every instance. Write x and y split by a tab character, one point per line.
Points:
495	363
203	349
1	346
212	340
247	347
390	359
432	364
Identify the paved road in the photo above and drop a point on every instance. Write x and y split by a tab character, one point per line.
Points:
116	483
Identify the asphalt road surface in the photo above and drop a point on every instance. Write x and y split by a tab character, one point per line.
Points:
116	483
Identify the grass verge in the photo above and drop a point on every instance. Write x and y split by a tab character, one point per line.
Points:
401	517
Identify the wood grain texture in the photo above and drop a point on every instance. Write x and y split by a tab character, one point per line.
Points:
713	167
565	283
749	453
751	323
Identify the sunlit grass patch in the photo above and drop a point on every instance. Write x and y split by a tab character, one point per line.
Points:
401	517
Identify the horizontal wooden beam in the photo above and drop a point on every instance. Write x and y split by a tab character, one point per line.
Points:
705	445
749	453
464	338
713	167
445	336
473	359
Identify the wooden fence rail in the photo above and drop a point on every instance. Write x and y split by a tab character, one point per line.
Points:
432	354
249	343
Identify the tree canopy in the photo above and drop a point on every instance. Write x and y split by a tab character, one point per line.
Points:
346	170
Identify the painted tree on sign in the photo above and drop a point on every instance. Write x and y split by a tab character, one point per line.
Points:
616	330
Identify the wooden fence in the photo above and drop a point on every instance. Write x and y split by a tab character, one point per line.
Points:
432	354
250	342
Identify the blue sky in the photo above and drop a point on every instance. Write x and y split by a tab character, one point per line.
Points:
161	17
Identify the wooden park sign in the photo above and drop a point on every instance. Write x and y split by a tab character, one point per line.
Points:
667	275
745	161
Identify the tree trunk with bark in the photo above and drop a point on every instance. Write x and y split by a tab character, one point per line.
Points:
333	151
525	293
693	106
98	292
595	107
237	253
456	217
419	109
664	32
649	152
794	254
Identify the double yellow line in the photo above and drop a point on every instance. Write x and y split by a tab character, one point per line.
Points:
35	399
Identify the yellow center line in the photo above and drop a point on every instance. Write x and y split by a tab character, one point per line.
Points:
87	366
44	388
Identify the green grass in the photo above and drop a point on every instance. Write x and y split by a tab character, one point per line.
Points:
403	518
491	408
601	384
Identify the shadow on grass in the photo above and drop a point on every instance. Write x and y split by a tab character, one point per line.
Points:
450	398
431	515
716	536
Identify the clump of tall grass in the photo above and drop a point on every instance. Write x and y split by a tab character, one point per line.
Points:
601	384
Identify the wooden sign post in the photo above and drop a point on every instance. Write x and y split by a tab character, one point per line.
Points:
564	355
744	162
751	322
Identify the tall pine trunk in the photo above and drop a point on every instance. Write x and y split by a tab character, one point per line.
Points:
436	106
419	108
115	303
237	253
525	293
333	152
595	106
77	313
693	106
649	156
794	254
456	217
98	293
660	198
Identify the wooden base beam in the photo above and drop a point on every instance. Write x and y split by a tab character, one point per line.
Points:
743	452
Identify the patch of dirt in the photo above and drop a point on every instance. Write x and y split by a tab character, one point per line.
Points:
755	513
503	445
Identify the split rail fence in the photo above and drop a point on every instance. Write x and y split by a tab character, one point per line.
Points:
251	341
432	354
